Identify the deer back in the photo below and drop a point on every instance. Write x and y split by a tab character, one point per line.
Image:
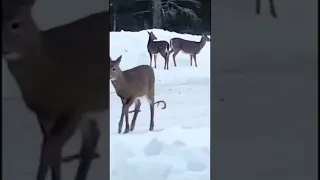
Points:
187	46
65	67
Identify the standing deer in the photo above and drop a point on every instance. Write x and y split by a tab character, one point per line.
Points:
130	86
63	77
192	48
272	8
157	47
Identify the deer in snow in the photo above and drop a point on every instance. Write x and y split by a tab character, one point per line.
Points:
157	47
271	5
192	48
131	85
63	77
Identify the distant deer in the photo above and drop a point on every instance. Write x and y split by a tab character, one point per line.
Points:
157	47
63	77
272	8
192	48
130	86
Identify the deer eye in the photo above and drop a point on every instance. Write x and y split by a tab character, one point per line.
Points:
113	69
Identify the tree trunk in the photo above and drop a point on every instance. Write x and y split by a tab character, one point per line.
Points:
156	14
114	17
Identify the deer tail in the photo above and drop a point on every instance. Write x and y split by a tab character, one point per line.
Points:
163	102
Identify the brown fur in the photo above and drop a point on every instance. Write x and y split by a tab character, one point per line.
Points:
189	47
157	47
62	74
130	85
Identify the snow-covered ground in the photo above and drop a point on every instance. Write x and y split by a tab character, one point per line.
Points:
181	151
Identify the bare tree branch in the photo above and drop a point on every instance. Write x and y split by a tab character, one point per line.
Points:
197	3
140	12
183	10
163	9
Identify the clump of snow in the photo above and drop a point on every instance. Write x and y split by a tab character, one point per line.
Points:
119	153
196	165
182	150
154	147
145	167
178	143
188	175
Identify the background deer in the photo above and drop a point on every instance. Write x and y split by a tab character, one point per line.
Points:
272	8
63	77
157	47
192	48
130	86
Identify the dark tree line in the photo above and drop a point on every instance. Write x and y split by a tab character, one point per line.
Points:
184	16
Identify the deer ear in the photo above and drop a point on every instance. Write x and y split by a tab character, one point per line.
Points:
118	60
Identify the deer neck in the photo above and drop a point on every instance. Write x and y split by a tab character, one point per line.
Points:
32	70
120	84
202	43
149	41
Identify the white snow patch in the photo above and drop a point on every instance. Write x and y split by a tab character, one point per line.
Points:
154	147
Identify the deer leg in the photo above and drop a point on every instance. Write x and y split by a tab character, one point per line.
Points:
168	56
272	8
155	60
151	104
164	55
51	150
125	111
136	112
45	125
174	57
150	55
190	60
166	66
127	129
258	5
167	59
121	117
195	59
90	136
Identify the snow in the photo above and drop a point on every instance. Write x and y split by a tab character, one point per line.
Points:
181	151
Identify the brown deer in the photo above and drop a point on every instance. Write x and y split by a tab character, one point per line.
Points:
157	47
63	77
192	48
272	8
130	86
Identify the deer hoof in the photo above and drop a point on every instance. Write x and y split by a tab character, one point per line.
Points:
126	131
